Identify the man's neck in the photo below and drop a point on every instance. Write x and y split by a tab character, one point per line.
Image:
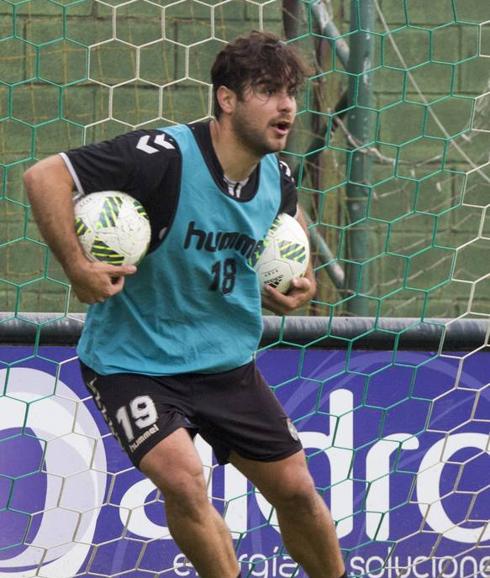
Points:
236	161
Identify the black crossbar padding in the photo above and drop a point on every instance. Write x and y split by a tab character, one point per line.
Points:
378	333
319	332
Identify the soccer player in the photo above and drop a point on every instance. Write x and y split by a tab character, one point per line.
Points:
167	350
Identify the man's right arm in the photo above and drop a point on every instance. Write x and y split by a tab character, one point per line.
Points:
50	187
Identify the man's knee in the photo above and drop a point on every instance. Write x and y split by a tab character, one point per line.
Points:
296	494
184	485
186	496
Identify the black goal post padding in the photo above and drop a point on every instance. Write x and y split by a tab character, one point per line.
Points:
433	334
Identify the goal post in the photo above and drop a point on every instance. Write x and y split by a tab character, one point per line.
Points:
384	373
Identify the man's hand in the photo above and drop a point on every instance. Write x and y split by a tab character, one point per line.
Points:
301	291
94	282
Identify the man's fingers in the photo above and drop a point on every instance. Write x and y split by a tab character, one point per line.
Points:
274	300
300	283
114	272
101	281
282	304
121	270
117	284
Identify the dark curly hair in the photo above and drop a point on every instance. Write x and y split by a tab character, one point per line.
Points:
258	58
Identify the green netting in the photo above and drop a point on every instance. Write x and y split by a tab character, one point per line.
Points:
391	157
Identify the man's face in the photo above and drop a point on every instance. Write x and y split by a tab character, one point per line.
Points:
263	118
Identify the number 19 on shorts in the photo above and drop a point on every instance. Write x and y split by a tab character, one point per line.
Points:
140	413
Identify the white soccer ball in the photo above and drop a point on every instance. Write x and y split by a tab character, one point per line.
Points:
112	227
285	254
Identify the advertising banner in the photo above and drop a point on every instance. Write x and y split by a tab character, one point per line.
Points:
397	442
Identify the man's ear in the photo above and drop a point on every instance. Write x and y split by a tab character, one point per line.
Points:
226	99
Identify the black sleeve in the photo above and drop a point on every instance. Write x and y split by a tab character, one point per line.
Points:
146	164
289	193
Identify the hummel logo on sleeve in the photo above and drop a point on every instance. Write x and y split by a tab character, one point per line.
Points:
151	144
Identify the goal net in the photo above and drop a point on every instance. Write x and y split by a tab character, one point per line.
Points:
384	373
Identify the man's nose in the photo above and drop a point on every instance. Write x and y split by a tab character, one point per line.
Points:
286	102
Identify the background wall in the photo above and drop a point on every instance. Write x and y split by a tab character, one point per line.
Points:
84	70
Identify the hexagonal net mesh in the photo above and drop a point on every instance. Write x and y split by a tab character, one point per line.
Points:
390	154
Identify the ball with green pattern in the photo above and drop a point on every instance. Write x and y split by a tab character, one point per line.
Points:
112	227
283	254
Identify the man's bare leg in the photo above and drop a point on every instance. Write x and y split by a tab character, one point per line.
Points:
306	526
200	532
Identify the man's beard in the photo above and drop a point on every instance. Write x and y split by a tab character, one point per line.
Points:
252	139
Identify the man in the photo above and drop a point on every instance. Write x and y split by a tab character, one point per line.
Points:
168	350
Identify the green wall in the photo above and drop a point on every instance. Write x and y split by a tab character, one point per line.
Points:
78	71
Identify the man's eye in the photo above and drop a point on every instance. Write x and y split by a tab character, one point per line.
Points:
267	90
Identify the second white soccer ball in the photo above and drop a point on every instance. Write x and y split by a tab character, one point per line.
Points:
112	227
285	254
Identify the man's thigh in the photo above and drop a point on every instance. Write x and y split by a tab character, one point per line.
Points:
174	466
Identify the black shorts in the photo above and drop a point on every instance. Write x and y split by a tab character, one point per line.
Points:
234	410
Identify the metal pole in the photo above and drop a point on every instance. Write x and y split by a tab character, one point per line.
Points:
292	12
358	163
330	32
334	270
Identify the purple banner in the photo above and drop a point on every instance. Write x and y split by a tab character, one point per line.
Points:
398	444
